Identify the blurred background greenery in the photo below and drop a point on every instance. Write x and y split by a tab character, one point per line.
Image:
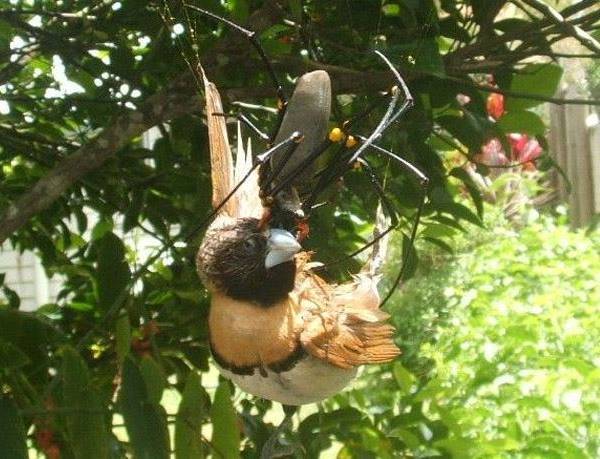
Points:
105	179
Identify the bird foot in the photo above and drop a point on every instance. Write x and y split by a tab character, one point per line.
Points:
278	446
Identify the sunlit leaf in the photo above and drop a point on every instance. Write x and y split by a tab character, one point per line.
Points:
192	412
226	434
86	414
535	79
145	422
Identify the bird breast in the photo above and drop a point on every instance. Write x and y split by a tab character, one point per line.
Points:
245	335
310	380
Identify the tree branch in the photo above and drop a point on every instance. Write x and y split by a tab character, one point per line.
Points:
554	16
178	99
521	95
482	47
171	102
175	100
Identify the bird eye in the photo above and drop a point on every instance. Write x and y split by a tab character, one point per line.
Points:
249	244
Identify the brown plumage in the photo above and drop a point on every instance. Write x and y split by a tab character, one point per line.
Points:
280	332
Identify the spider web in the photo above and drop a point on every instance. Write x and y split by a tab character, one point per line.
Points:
185	32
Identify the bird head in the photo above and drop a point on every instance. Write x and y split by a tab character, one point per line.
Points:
249	263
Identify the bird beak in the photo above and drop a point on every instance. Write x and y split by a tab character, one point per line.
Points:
281	247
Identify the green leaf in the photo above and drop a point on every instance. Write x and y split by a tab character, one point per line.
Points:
441	244
133	211
30	334
472	188
123	337
226	434
11	356
403	377
86	414
522	121
146	422
458	447
451	28
154	377
239	10
296	9
192	411
410	259
78	306
112	270
535	79
460	211
14	301
390	9
428	58
101	228
510	24
469	129
122	60
13	442
410	439
437	230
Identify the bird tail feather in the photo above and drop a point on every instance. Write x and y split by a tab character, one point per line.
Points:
225	174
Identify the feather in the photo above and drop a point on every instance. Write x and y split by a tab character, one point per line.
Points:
221	160
225	174
342	324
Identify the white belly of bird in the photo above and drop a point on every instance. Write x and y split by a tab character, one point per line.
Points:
310	380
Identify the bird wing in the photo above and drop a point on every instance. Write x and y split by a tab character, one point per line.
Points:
225	175
343	324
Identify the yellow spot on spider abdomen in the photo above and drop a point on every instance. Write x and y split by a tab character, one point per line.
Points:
336	135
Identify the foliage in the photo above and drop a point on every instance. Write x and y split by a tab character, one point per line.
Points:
118	220
516	366
500	352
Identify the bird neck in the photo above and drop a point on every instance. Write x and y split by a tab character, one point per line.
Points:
269	290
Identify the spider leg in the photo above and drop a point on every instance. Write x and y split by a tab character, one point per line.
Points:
423	179
269	175
393	214
285	181
409	251
246	122
290	143
424	183
251	36
387	204
391	115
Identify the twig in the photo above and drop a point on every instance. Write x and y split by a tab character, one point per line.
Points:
483	47
551	14
521	95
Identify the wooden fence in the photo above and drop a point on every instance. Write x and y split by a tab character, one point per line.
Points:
575	145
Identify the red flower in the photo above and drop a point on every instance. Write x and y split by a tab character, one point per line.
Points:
525	150
495	105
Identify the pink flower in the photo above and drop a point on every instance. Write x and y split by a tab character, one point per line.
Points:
492	154
463	99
